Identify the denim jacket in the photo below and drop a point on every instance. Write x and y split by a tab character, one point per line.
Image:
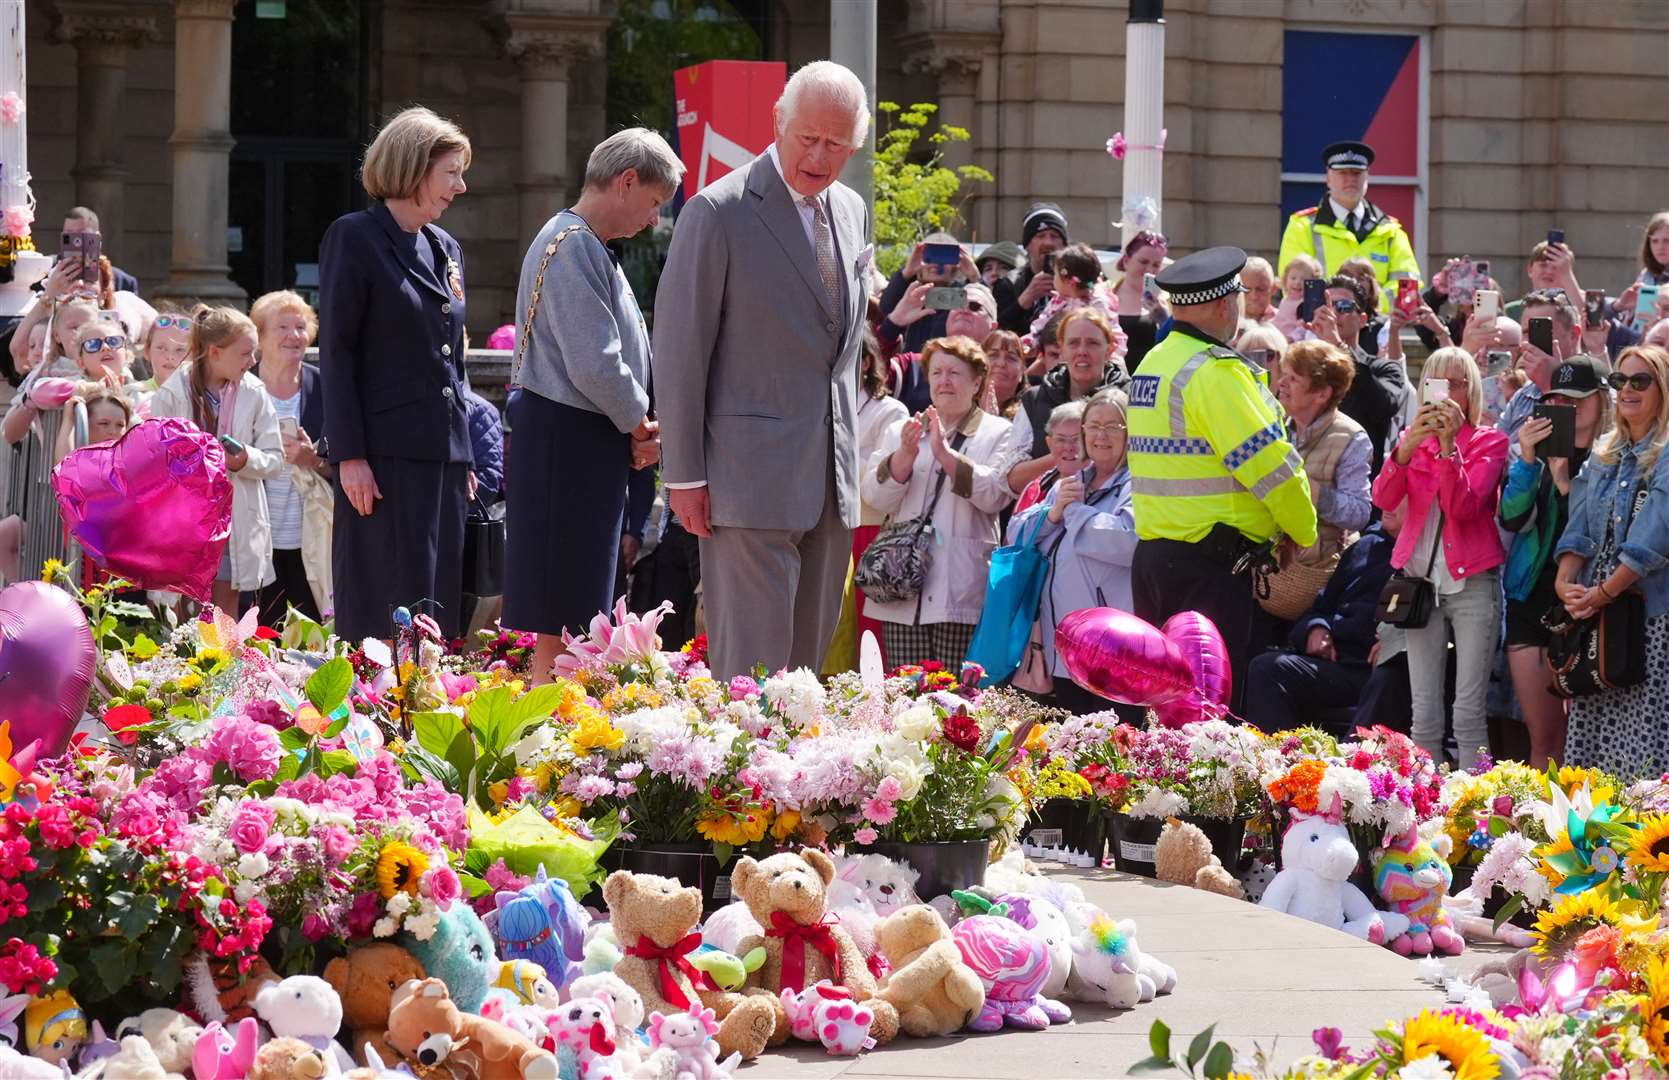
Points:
1603	491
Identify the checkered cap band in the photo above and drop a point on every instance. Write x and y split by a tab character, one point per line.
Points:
1348	159
1207	295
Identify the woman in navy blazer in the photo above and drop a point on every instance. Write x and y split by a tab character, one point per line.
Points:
391	350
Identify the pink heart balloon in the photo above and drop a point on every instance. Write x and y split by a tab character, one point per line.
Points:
1121	657
51	393
46	664
1207	656
154	507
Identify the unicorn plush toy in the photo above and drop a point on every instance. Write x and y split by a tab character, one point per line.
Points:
1317	859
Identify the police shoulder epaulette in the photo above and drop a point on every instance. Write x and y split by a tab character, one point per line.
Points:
1223	352
1308	211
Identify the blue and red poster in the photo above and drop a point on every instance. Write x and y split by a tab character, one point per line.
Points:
1352	86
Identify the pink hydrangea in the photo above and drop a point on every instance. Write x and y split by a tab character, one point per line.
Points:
336	844
249	748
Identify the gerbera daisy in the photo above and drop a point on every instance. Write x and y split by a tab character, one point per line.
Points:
1464	1049
398	868
1649	850
1557	930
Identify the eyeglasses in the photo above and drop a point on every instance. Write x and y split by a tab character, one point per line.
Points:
1640	381
1102	429
99	344
172	322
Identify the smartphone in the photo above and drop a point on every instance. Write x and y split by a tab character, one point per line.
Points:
1463	282
947	298
230	445
1150	288
941	254
1434	390
1480	270
1408	297
1539	332
1645	307
1555	236
1593	308
1561	441
1049	263
83	246
289	426
1315	295
1497	361
1487	305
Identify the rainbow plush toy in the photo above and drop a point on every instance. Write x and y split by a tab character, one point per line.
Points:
1413	877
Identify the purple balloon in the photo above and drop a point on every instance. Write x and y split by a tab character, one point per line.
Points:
154	507
1121	657
1202	647
47	660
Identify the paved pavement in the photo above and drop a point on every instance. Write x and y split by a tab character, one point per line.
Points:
1266	980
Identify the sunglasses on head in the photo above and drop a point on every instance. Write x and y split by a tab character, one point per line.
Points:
1640	381
172	322
99	344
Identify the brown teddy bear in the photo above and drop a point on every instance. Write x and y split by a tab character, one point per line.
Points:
285	1058
934	992
654	920
788	895
1183	856
428	1030
365	980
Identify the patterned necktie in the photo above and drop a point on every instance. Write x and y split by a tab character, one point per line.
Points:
825	252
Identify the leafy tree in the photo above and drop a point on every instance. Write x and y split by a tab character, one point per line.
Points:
915	197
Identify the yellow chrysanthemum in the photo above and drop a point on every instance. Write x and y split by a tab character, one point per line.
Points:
189	681
737	830
567	807
594	733
51	569
570	696
398	868
1654	1007
1574	916
543	773
396	746
630	697
786	825
1464	1049
1648	852
497	792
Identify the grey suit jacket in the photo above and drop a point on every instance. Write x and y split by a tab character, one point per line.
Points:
755	369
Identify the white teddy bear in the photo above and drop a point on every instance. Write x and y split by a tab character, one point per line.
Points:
306	1007
171	1033
136	1060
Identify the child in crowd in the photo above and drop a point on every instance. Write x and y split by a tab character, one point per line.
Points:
1078	283
165	344
1292	294
215	389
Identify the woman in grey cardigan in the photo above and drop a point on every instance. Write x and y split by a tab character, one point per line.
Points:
579	404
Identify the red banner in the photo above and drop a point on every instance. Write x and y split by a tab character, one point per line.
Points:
724	116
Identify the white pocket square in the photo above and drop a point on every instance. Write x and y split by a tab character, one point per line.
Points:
866	256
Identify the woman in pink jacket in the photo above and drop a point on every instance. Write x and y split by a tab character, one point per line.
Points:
1447	470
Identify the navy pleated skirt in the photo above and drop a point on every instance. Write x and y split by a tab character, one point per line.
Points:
565	487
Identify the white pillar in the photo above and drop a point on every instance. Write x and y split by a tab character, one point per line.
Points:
1144	117
852	44
26	266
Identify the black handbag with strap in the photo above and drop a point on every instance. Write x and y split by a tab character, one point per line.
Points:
1407	601
1607	650
484	536
894	565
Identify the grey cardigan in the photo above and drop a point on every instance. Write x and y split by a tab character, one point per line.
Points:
588	348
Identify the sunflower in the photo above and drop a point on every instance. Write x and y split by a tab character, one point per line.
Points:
51	569
1561	845
1654	1007
1557	930
398	868
1648	852
1600	786
1464	1049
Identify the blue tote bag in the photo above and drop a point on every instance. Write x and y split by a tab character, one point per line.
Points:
1012	594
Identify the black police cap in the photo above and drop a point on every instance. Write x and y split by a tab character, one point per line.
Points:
1348	154
1203	276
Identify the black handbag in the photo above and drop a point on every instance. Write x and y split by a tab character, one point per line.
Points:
894	565
1407	601
484	533
1603	652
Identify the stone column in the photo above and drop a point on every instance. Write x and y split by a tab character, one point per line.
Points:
955	60
103	33
202	147
545	50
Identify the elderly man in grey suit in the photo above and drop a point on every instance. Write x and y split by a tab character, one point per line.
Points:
758	326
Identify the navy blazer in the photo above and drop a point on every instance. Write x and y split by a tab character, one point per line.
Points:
1347	605
391	342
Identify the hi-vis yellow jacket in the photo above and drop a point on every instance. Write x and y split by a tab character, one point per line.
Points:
1208	445
1316	232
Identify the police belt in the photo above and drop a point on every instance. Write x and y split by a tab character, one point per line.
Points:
1224	545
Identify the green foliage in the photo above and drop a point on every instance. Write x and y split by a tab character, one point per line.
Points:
466	757
914	197
1205	1060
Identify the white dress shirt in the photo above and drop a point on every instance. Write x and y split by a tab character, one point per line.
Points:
1342	214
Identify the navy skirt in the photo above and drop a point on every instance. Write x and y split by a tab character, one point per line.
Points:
565	483
408	553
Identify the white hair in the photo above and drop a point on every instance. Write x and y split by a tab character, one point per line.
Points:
634	148
1258	262
828	82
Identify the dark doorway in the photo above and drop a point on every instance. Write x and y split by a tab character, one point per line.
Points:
300	115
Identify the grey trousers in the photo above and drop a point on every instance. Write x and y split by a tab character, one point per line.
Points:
773	595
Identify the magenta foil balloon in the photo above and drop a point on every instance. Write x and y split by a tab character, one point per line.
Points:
1202	647
1121	657
46	664
154	507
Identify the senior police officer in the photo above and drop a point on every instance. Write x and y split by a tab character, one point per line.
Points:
1213	473
1346	224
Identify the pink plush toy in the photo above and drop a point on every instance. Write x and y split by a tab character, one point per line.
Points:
222	1055
827	1013
1413	877
692	1037
587	1025
1013	964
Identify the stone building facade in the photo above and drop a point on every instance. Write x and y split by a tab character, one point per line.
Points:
1534	114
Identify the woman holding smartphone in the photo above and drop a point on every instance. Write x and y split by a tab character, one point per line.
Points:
299	497
1447	471
215	389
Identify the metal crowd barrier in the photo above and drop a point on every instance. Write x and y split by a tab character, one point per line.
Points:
29	494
